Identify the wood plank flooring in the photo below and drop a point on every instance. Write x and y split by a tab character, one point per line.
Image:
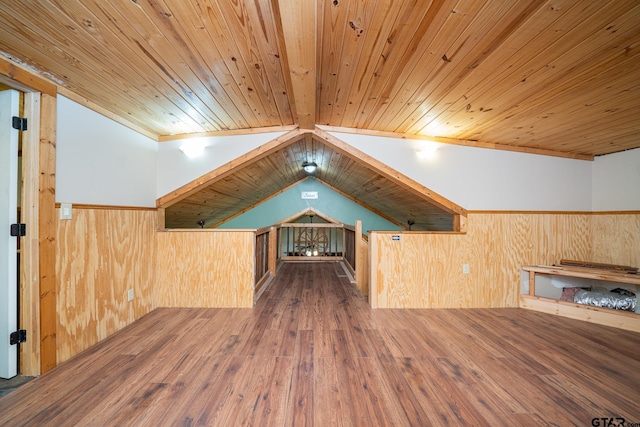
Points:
312	352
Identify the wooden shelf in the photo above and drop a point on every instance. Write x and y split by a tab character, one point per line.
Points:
617	318
627	320
584	272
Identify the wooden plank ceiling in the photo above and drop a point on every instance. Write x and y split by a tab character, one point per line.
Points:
227	195
557	77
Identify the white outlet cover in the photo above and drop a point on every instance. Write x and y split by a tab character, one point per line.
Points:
65	211
130	294
465	268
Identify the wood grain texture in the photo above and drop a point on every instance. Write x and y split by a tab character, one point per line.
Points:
616	237
15	76
614	318
227	169
205	268
313	353
424	270
29	245
523	75
47	231
362	260
298	26
270	169
101	255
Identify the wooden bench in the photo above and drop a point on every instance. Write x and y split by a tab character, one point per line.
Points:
620	319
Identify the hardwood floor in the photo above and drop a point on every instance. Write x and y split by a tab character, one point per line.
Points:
312	352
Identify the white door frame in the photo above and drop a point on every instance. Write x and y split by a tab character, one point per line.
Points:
9	107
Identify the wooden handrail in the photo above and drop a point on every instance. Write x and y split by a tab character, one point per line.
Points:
263	230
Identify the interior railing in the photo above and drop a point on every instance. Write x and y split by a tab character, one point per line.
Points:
293	242
350	247
262	254
311	241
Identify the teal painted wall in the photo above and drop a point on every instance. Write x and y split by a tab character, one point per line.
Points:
329	202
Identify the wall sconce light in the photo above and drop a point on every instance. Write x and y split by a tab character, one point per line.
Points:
410	223
309	167
428	150
192	149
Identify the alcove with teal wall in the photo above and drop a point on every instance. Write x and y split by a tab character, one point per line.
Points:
290	202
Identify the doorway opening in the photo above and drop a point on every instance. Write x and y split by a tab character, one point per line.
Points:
10	106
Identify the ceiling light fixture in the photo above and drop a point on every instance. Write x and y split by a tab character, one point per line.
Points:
309	167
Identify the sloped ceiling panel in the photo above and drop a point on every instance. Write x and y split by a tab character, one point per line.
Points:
561	77
254	182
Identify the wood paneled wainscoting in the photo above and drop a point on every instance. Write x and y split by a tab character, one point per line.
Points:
425	270
102	253
206	268
615	238
312	352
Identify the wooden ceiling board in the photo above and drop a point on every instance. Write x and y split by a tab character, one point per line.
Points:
254	29
447	56
27	39
414	25
542	80
251	183
549	75
122	34
197	65
346	50
554	77
94	71
218	64
451	59
298	38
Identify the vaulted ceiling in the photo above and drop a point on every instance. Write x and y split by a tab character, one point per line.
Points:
558	77
277	166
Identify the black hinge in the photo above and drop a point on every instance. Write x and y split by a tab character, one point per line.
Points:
18	230
17	337
19	123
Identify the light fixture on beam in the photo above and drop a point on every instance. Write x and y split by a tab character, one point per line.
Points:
309	167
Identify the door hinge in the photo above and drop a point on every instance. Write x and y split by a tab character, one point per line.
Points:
18	230
19	123
17	337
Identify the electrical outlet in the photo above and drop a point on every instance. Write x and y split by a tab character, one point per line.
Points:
465	268
130	295
66	211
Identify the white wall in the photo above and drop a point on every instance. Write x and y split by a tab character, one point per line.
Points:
175	169
484	179
99	161
616	181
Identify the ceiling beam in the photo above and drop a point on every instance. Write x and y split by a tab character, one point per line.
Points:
15	76
298	19
230	132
